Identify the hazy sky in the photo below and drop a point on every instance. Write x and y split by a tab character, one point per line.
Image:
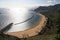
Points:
17	3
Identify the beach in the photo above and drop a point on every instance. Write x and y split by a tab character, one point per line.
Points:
31	32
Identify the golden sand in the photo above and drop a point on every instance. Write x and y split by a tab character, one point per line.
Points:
30	32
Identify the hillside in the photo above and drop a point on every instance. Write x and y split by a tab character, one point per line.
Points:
53	14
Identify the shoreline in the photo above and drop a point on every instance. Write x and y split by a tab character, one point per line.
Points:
30	32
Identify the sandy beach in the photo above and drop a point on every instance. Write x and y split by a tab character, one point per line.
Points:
30	32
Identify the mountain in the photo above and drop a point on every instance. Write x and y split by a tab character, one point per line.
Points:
48	8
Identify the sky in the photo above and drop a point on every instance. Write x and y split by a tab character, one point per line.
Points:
29	3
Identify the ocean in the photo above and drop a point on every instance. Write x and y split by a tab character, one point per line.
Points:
22	20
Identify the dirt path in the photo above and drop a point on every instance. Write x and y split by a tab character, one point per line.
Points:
30	32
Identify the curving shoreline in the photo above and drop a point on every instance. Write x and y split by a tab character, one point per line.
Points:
31	32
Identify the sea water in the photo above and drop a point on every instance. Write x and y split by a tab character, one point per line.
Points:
21	18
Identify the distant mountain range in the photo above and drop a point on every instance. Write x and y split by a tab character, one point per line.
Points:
48	8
